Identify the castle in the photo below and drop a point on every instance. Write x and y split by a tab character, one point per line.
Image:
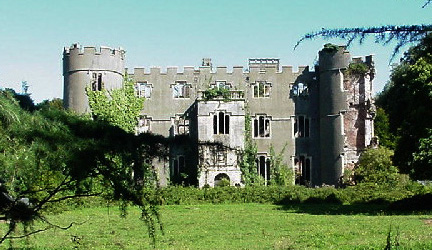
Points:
319	121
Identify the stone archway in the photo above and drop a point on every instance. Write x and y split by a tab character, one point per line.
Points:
221	180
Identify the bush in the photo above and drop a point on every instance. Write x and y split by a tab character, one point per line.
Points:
376	166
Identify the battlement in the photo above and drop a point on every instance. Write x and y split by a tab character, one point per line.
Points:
219	70
77	49
369	60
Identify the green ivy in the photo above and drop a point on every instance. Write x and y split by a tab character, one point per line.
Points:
119	107
248	156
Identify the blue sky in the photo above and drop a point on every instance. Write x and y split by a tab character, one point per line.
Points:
182	32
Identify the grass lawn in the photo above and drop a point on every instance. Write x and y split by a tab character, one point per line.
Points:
234	226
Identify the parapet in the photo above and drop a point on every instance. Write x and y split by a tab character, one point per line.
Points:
79	58
76	48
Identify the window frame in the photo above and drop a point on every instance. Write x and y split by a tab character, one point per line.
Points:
139	89
265	92
261	130
185	89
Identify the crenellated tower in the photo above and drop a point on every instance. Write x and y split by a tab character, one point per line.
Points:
99	68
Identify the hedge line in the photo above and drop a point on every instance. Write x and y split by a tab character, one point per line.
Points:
175	195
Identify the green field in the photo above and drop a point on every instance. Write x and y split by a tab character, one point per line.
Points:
234	226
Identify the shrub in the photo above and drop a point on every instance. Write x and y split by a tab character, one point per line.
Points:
376	166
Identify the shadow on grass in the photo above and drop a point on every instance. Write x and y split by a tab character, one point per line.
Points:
331	205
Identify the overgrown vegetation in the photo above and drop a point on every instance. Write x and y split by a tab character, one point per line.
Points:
214	93
281	174
249	155
118	107
357	68
330	48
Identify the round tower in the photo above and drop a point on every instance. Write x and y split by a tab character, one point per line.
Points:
332	106
99	69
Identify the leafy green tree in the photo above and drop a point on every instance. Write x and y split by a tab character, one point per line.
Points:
382	129
407	99
375	166
119	107
422	162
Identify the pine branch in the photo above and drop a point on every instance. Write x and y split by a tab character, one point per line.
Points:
403	34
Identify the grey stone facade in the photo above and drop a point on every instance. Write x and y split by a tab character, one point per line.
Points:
323	118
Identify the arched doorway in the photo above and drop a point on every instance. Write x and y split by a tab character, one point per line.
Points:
221	180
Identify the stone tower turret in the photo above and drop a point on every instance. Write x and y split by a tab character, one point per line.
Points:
332	107
88	66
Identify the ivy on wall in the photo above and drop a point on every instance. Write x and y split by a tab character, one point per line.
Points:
119	107
248	156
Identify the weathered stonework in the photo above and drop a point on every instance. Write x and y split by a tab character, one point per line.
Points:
323	118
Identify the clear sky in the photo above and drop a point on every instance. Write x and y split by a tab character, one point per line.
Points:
182	32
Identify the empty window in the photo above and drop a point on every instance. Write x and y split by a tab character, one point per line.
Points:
181	89
143	89
181	125
97	82
302	167
261	127
263	167
299	89
261	89
221	123
179	164
301	126
143	124
221	85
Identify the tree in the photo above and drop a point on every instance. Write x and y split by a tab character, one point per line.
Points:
402	34
407	99
382	129
69	153
422	162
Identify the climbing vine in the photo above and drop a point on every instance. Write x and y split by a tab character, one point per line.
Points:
119	107
248	156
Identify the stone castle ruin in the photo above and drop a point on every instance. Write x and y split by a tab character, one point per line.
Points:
320	120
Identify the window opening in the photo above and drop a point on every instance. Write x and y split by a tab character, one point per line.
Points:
263	167
221	85
97	82
179	165
299	89
261	126
301	126
261	89
143	89
302	167
181	89
221	123
181	125
143	124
